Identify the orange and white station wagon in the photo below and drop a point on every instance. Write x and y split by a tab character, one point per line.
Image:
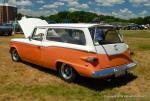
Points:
90	50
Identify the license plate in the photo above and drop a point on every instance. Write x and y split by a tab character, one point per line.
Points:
120	73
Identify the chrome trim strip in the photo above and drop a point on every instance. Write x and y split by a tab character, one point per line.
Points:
55	46
113	70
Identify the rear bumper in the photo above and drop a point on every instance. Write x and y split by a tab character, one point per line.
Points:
113	70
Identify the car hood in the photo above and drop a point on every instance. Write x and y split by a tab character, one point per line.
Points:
28	25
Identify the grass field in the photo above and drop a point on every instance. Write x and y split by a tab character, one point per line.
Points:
26	82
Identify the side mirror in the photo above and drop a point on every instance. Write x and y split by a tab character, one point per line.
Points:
41	36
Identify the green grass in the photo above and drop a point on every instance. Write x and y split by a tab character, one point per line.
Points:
137	33
144	47
137	40
40	91
60	93
26	82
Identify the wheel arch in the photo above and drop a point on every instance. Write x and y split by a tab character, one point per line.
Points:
14	47
60	62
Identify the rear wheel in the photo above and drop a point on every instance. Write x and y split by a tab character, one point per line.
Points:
14	55
67	73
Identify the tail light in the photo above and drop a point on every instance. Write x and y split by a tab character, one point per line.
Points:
92	60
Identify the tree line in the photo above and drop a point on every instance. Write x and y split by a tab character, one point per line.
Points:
87	17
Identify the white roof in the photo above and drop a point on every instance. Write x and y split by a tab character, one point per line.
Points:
74	25
78	25
28	24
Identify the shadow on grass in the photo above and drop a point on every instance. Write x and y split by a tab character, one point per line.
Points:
109	83
91	83
4	35
46	70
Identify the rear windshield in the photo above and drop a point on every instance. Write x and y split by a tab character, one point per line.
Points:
102	36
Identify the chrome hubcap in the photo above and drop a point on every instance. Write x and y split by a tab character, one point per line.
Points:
15	55
66	71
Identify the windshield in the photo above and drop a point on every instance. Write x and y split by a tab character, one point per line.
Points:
102	36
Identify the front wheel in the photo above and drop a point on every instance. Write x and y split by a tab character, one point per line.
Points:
14	55
67	73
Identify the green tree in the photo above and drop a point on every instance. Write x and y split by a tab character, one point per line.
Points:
19	16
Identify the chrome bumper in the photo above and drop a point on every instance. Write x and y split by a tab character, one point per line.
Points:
113	70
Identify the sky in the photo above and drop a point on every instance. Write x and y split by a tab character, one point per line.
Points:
125	9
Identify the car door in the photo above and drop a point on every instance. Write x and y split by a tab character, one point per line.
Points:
33	48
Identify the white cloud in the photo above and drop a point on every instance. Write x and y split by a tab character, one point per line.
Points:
109	2
49	6
73	9
12	2
83	6
68	0
54	5
74	4
90	2
124	13
140	2
37	13
25	11
24	3
137	1
147	4
143	13
40	1
59	3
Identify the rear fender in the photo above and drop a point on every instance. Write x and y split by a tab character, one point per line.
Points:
13	46
80	69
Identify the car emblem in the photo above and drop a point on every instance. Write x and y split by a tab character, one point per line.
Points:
115	47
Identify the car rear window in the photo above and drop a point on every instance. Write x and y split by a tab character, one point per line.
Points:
102	36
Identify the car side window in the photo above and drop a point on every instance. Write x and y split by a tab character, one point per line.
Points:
53	36
72	36
38	34
78	36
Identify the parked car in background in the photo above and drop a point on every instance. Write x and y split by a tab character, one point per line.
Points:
6	29
136	27
89	50
144	26
133	27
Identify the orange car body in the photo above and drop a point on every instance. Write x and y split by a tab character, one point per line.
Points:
88	60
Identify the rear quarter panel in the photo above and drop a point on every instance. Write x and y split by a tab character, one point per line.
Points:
52	55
